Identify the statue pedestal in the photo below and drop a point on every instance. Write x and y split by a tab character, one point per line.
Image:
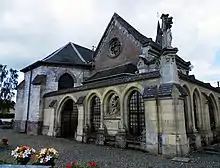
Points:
120	139
100	137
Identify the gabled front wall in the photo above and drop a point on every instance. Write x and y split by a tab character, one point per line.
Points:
131	48
37	92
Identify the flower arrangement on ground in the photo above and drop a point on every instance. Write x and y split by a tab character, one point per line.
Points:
5	141
23	154
87	165
46	156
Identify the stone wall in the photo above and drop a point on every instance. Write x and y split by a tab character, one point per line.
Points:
37	92
19	109
112	125
131	48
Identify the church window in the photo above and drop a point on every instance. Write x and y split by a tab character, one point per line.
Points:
115	48
65	81
95	115
136	114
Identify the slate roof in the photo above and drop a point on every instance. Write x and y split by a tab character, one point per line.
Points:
150	91
125	69
166	89
108	82
70	55
192	79
21	85
163	90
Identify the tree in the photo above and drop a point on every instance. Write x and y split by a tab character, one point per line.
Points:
8	84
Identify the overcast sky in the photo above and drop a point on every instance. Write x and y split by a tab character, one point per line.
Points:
32	29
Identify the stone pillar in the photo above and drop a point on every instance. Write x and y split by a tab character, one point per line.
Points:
206	132
174	137
151	122
79	133
195	131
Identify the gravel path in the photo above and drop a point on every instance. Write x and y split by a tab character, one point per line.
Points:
106	157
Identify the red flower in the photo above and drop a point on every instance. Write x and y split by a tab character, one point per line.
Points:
73	163
92	164
4	140
69	165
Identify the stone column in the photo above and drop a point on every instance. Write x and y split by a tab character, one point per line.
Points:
174	138
79	134
100	137
151	122
120	136
195	131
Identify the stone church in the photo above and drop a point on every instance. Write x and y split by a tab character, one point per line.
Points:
130	92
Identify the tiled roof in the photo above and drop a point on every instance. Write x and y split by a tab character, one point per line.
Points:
123	69
150	91
107	82
166	89
70	54
162	91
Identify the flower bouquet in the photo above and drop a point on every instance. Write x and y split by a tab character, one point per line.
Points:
46	156
23	154
87	165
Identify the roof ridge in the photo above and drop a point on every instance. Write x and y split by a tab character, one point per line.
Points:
123	21
55	52
81	46
77	52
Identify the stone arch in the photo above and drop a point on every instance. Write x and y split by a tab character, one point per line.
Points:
94	117
196	106
65	81
213	111
125	97
73	118
112	103
188	110
65	72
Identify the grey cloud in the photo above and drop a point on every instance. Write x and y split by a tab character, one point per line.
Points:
33	29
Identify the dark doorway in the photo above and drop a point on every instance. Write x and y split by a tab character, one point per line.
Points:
136	114
69	119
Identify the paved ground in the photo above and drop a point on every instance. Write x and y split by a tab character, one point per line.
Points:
106	157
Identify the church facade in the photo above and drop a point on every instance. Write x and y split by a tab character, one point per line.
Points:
129	92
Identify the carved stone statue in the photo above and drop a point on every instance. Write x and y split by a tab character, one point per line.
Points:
114	106
166	29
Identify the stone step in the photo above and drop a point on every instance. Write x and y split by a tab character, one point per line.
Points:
212	152
212	149
181	159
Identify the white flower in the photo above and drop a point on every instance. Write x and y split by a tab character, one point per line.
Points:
16	155
41	160
48	157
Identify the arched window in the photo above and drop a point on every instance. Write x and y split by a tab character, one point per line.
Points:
211	113
65	81
196	108
95	115
136	114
